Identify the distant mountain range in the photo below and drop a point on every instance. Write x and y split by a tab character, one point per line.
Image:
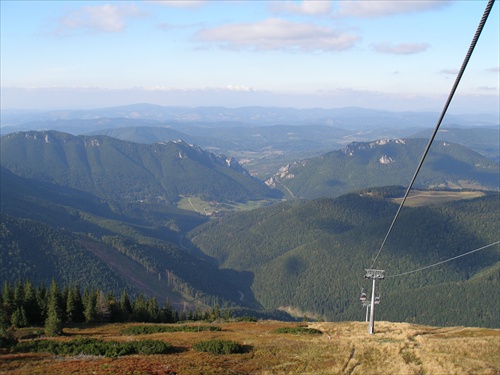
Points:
352	117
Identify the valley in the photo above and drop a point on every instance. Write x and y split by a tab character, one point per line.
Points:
161	216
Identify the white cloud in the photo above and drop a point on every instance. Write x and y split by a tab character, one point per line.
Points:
306	7
179	3
239	88
494	69
372	9
488	88
449	71
400	49
276	34
99	18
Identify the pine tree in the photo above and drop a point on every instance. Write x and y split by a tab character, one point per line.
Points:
79	309
152	309
89	302
31	307
168	312
18	318
125	306
140	313
18	299
70	305
74	305
41	300
102	307
7	300
54	321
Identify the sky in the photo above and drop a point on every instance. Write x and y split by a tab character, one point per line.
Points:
396	55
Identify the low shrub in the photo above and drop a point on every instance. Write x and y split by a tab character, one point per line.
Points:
247	318
147	347
298	331
91	346
7	338
150	329
218	347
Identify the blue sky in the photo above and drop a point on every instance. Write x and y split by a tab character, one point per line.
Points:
391	55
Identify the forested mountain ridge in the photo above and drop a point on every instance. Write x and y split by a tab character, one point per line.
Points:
309	257
114	169
361	165
108	203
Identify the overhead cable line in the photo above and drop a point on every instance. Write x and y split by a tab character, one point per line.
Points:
444	261
448	101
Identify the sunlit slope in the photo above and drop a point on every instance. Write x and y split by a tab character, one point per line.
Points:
361	165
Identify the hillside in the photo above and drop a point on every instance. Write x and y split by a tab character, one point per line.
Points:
361	165
118	170
35	251
483	140
309	257
338	348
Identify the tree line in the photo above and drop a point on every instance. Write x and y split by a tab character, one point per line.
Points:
24	305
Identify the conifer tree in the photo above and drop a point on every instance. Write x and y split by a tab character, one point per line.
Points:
41	300
74	305
18	295
54	321
18	318
70	305
7	300
102	307
89	302
125	306
152	309
31	307
78	312
167	312
140	313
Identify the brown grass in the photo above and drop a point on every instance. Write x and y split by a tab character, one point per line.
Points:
343	348
418	198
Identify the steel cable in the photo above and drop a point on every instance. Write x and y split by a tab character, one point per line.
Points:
448	101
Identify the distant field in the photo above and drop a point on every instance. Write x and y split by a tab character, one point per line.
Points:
422	198
341	348
211	208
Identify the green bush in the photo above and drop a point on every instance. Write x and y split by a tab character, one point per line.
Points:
91	346
218	347
147	347
7	338
150	329
298	331
247	318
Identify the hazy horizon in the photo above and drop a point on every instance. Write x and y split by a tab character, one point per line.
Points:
385	55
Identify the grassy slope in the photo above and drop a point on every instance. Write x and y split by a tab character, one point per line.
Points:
343	348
